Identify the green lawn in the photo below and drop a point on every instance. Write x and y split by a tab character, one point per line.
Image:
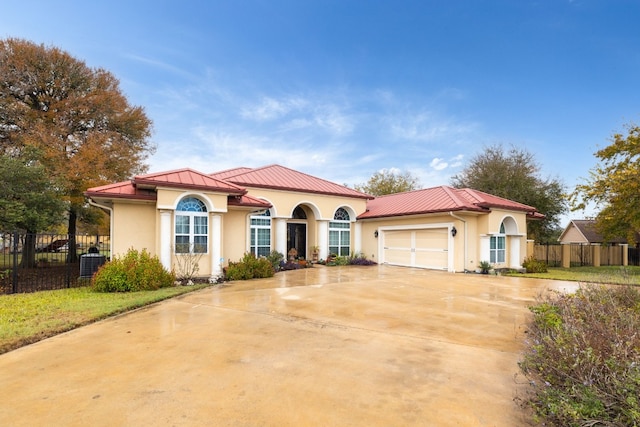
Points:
629	275
27	318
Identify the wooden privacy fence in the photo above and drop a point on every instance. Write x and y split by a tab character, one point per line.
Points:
578	255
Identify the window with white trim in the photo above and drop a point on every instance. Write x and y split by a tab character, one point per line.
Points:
340	233
497	247
261	234
192	226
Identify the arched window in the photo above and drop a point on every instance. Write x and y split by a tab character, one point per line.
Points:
192	226
497	246
340	233
261	234
299	213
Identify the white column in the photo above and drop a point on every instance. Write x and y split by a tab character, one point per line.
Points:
514	251
323	238
165	238
216	245
281	236
357	238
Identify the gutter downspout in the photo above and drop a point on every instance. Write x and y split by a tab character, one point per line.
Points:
466	241
91	202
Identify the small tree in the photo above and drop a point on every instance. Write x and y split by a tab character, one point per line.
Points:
28	202
614	186
388	181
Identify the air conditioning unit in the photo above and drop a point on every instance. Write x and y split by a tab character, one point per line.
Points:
89	264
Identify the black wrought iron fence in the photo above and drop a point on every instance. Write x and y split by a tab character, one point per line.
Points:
36	262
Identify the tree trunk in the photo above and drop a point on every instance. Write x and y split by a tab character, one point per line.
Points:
72	255
29	251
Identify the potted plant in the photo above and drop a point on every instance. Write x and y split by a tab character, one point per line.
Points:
315	250
485	266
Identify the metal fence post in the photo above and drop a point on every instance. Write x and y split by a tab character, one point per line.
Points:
14	267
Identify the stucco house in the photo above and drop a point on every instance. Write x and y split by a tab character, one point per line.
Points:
583	232
226	214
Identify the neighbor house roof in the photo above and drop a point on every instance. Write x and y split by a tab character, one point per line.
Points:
439	199
278	177
584	231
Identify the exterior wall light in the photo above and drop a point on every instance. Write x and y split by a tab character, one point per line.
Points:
375	234
453	232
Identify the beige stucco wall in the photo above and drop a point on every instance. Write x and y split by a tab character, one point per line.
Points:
235	235
134	226
490	225
323	206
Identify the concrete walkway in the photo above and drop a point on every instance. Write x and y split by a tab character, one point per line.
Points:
344	346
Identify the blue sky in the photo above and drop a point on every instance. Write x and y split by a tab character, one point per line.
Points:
341	88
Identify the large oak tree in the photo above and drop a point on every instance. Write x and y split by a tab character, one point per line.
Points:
388	181
75	119
614	187
515	175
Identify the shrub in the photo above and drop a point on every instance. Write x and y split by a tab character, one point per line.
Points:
353	259
582	358
249	267
533	265
135	271
275	258
360	259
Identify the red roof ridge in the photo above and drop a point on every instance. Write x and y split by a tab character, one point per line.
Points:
453	193
270	176
172	179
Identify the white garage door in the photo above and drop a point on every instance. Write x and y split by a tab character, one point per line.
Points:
424	248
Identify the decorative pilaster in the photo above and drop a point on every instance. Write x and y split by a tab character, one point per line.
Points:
323	238
281	236
357	237
165	238
216	245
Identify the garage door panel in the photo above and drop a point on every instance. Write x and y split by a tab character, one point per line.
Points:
397	239
424	248
435	259
431	238
397	257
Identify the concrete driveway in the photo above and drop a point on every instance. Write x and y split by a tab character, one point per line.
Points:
347	346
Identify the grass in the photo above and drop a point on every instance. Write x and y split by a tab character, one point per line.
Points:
28	318
629	275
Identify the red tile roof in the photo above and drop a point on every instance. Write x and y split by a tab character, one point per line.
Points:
121	190
143	187
281	178
437	199
246	200
229	172
187	179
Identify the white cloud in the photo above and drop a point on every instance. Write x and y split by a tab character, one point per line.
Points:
271	109
426	127
438	164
